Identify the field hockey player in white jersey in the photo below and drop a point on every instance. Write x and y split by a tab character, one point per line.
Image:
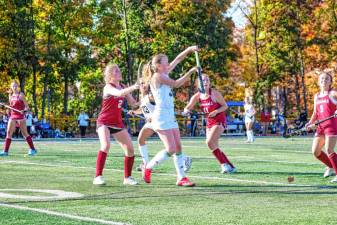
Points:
147	106
249	119
163	118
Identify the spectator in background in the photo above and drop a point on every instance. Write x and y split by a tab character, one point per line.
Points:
83	122
29	121
193	118
265	120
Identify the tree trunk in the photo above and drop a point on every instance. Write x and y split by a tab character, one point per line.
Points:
127	46
297	94
65	94
285	110
46	77
34	58
304	89
256	45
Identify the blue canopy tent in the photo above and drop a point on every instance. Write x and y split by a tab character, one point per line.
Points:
235	104
234	125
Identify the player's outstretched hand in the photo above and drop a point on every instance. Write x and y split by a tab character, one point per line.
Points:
193	48
186	112
310	126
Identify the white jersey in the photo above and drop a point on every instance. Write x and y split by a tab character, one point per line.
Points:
163	115
147	107
249	110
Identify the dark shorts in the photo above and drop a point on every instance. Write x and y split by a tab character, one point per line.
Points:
112	129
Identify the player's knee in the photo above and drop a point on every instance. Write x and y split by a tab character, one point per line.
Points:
316	153
130	152
105	147
209	144
141	141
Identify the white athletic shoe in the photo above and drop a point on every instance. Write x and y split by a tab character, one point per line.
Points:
329	172
226	168
130	181
187	164
334	180
98	181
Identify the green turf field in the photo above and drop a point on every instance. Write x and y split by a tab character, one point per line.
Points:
258	194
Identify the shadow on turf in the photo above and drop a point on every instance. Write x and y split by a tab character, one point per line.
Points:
200	190
281	173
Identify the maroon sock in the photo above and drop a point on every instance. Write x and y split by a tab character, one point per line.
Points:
8	142
30	142
128	164
219	156
324	159
101	158
333	160
227	160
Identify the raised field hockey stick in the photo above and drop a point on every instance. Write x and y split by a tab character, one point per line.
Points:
299	131
9	107
139	73
201	84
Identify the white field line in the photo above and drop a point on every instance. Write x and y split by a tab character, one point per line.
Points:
64	215
165	174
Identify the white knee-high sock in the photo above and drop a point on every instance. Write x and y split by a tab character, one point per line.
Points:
178	160
144	153
252	135
160	157
248	135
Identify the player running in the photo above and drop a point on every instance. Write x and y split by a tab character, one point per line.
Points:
213	105
249	119
163	119
147	107
326	134
18	102
110	122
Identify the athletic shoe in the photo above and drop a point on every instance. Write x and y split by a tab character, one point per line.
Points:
334	180
32	152
226	168
139	168
185	182
130	181
329	172
99	180
187	164
3	154
147	175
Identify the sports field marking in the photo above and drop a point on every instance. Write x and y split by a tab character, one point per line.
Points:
64	215
57	194
168	174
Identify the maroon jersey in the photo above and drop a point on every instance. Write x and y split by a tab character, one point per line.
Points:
325	108
207	106
16	102
111	112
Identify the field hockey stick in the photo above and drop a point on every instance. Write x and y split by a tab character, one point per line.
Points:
299	131
9	107
136	115
201	84
139	72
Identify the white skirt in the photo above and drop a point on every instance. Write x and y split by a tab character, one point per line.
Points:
148	125
164	120
249	119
